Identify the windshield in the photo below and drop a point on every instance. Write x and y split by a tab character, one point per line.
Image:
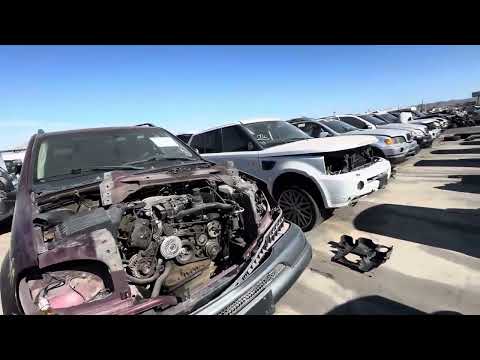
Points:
373	120
60	156
388	118
271	133
338	126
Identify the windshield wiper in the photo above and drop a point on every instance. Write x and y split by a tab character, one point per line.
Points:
80	171
106	168
164	168
158	158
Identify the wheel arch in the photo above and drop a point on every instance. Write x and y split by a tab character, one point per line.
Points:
301	180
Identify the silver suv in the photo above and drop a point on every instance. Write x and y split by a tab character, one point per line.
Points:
392	144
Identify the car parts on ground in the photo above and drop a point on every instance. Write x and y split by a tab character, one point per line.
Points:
371	255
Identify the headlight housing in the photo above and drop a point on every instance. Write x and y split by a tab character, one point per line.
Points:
394	140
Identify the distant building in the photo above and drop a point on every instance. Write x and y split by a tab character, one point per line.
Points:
476	94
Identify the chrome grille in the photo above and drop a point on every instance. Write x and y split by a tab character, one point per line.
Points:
243	300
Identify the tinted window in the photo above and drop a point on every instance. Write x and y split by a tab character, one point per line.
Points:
271	133
309	128
373	120
185	137
213	141
388	118
198	142
338	126
354	122
234	139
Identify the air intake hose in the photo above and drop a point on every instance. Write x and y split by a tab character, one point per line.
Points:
209	206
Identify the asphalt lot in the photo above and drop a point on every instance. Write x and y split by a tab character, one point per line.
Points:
430	213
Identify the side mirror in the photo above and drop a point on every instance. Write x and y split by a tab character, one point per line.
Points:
197	151
324	134
18	169
250	146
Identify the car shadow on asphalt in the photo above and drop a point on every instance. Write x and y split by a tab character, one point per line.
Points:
456	151
450	229
470	143
450	163
467	184
379	305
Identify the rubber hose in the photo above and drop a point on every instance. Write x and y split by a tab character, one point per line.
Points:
159	282
145	281
199	208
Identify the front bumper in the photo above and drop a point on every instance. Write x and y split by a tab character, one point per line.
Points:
261	290
425	141
396	153
414	149
344	189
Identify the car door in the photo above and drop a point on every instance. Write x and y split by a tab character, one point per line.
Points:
228	144
238	147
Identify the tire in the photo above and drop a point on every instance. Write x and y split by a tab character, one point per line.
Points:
378	153
290	198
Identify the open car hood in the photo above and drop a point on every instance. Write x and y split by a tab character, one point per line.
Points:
322	145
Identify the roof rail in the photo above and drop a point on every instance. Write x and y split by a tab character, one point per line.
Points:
40	132
146	124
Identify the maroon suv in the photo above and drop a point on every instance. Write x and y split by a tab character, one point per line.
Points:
132	221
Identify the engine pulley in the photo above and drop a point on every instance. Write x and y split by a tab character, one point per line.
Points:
171	247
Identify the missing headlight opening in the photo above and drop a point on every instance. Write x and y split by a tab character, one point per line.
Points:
166	240
341	162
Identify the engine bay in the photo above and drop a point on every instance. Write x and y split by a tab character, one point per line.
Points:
171	239
345	161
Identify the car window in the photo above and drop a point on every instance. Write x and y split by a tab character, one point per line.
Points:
198	142
70	153
184	137
309	128
338	126
354	122
373	120
234	139
272	133
213	141
388	118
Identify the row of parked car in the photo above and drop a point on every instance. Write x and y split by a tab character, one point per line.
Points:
132	220
314	165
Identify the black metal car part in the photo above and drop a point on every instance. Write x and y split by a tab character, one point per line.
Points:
371	255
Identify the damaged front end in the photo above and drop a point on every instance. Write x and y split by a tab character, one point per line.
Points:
150	241
345	161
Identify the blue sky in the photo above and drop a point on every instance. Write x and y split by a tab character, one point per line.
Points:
185	88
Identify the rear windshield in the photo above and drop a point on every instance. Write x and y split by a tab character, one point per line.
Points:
373	120
338	126
66	154
388	117
271	133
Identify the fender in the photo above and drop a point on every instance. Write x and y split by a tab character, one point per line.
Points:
309	168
